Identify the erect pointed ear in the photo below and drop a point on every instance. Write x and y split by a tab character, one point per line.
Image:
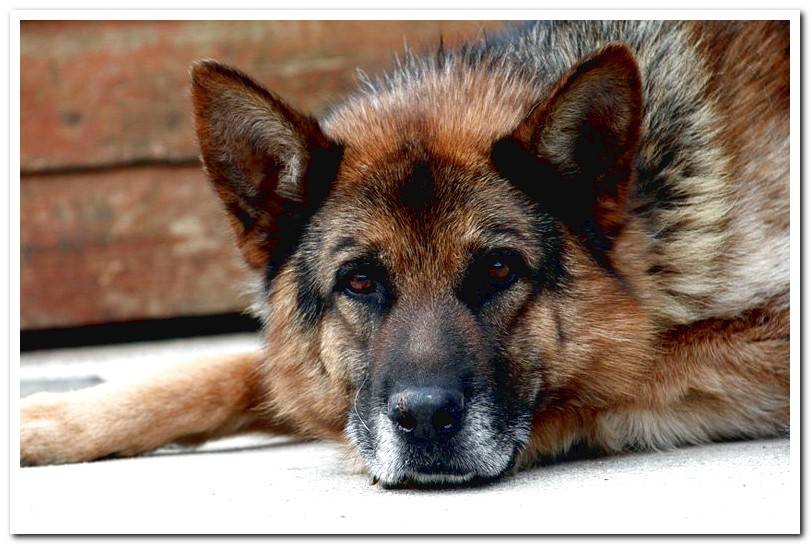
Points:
583	140
271	165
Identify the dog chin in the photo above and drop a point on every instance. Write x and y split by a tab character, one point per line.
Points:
431	480
437	479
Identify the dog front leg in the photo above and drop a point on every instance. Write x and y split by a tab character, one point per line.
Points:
189	403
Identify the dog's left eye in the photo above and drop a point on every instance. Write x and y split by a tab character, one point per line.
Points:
489	275
360	284
499	271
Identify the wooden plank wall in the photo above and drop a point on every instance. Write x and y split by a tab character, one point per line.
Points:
117	222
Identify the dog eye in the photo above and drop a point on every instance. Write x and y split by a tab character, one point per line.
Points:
499	271
360	284
490	274
363	280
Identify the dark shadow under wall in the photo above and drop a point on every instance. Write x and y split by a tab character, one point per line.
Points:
136	331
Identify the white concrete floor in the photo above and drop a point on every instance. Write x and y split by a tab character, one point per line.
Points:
280	485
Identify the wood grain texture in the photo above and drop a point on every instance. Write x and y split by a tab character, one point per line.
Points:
107	92
128	243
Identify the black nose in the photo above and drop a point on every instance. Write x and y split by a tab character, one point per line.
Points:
427	413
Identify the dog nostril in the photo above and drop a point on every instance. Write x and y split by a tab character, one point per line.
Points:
442	420
405	421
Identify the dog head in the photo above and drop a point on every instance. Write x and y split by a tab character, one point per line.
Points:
438	261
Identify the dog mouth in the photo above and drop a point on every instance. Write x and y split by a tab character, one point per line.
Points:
433	481
441	478
481	452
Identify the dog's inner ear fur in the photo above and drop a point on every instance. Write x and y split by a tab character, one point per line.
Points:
583	140
271	165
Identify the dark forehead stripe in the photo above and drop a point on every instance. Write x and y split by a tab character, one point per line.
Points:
417	193
420	188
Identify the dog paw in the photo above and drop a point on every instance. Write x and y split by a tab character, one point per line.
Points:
51	432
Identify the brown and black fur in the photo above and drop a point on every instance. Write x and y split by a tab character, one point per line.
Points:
632	177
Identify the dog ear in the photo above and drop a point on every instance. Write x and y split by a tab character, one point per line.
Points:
582	140
271	165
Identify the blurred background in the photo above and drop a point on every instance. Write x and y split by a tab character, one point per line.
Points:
121	238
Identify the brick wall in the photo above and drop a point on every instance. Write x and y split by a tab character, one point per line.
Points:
117	221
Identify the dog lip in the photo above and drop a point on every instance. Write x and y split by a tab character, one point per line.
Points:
440	472
430	478
439	477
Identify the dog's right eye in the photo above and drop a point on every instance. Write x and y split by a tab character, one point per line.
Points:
363	281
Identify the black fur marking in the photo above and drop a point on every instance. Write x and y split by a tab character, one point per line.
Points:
285	239
477	289
550	276
418	192
561	197
536	178
244	217
322	168
559	327
310	302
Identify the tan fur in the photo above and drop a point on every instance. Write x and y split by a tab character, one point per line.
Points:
691	395
191	403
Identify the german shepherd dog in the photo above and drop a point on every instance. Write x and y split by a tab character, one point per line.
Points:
570	233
